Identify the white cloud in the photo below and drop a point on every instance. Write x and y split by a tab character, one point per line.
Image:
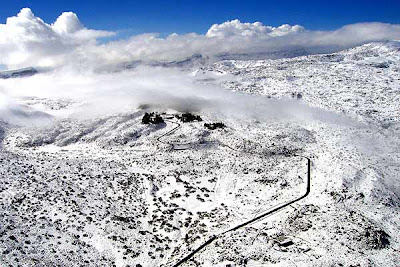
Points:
358	33
105	94
256	29
286	29
234	37
67	23
26	40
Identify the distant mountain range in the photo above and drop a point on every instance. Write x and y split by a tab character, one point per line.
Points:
18	73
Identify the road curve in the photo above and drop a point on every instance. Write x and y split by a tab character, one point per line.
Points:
257	218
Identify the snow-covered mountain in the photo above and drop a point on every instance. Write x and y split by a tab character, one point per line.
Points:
361	82
109	190
17	73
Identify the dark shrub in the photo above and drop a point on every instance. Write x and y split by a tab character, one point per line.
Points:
146	118
152	118
376	238
213	126
157	119
189	117
297	95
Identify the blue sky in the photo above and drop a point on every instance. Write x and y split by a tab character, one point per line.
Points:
133	17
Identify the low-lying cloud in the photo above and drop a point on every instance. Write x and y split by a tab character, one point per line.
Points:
97	95
26	40
13	113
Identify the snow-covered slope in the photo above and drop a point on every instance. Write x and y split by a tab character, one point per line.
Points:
107	190
362	82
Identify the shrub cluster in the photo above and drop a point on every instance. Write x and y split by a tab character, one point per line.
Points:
189	117
213	126
152	118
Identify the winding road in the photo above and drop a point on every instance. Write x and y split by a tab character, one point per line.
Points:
257	218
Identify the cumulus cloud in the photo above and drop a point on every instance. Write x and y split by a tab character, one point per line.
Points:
67	23
26	40
256	29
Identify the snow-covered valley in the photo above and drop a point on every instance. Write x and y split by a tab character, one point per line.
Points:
106	190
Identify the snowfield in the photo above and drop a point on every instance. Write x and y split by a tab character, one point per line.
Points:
108	190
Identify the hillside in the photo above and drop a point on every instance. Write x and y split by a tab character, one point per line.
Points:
108	190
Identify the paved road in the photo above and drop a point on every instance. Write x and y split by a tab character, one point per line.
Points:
263	215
